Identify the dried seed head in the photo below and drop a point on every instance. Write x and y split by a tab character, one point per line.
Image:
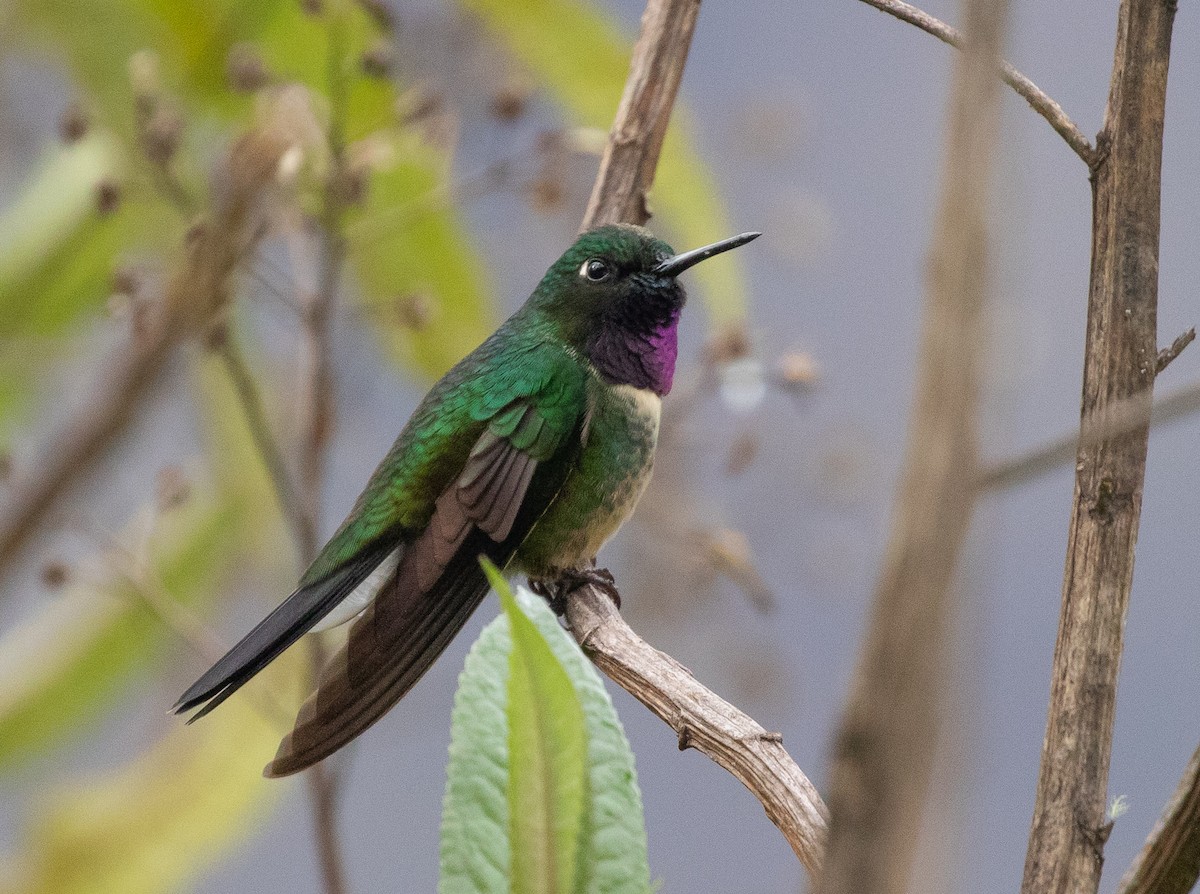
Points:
416	104
108	197
245	69
161	134
731	343
546	193
797	370
74	123
55	575
171	488
378	59
511	100
414	312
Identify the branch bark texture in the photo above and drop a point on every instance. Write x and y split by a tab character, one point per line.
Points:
635	142
1069	823
885	744
704	721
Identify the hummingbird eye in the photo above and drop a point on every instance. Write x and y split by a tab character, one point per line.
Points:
594	270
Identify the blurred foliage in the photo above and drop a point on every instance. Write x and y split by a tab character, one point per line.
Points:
163	89
541	792
579	54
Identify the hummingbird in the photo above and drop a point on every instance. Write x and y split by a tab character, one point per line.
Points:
532	451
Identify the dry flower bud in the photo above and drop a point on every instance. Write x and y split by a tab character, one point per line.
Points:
416	104
245	68
378	59
74	123
731	343
171	488
108	197
797	370
414	312
161	135
510	101
546	193
55	575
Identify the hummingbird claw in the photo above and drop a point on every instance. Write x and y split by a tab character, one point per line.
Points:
557	591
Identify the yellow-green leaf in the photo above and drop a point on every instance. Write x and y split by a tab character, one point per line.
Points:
151	824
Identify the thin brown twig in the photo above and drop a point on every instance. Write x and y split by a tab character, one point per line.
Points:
883	754
1041	103
635	142
700	718
317	413
1169	861
253	408
1168	354
1070	823
1121	418
703	720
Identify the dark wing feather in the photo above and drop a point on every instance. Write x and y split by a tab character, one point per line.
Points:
290	620
488	510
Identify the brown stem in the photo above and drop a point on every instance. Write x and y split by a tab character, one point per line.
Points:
196	294
1169	861
1069	819
884	747
635	141
1025	88
703	720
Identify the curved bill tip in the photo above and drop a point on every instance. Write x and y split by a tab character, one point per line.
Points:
675	265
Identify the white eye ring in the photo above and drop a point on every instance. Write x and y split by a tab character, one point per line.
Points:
594	270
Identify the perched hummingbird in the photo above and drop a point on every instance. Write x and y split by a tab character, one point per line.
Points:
532	451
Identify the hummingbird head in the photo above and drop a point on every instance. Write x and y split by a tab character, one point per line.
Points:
614	296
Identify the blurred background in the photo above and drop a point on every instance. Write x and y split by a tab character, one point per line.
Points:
134	133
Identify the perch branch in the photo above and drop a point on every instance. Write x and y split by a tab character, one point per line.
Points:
1070	823
1169	861
636	139
1029	91
702	720
884	749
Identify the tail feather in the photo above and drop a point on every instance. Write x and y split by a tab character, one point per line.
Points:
371	673
294	617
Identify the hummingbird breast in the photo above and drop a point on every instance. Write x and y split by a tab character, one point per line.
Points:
602	490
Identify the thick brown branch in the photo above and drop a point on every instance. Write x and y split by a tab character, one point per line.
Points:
703	720
1025	88
885	744
1069	820
634	144
1169	862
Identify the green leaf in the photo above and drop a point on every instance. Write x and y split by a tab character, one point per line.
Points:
66	664
547	775
150	825
582	58
526	649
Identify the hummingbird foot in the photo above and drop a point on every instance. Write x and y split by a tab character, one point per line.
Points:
556	591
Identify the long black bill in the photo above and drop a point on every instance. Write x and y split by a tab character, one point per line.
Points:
676	265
